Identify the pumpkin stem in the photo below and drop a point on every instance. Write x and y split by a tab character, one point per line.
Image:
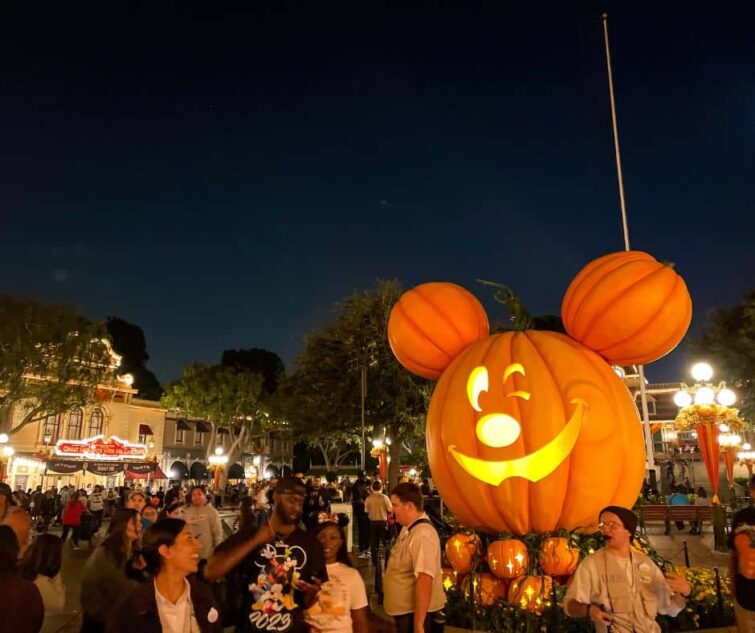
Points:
522	319
671	265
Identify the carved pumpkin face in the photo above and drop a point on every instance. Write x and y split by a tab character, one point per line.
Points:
530	431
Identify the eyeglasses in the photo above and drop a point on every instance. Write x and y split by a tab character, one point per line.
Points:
609	524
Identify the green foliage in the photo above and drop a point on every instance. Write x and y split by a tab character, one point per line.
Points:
323	396
728	343
51	359
129	341
260	361
702	610
223	396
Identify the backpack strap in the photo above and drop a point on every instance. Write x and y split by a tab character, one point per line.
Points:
416	523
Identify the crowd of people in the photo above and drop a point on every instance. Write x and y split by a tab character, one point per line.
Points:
165	563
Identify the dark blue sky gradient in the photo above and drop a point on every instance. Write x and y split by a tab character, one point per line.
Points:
223	174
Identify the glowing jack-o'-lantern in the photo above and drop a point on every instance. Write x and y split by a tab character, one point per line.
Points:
485	588
533	593
461	550
557	557
507	558
527	430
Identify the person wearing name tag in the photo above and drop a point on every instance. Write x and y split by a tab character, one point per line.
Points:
170	602
619	588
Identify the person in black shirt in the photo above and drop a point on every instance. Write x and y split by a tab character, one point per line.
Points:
315	502
741	539
280	565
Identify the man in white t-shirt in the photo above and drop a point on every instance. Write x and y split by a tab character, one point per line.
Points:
413	582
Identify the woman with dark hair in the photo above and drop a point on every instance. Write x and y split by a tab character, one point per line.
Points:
26	613
105	578
172	603
171	511
41	565
342	604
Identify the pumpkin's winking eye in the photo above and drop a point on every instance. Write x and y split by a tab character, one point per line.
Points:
476	384
515	368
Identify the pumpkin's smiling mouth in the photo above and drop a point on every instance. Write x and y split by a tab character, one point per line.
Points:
534	466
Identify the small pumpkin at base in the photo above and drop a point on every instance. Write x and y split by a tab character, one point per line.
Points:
557	557
508	558
485	588
533	593
461	551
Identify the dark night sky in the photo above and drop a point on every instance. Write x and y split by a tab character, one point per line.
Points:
222	175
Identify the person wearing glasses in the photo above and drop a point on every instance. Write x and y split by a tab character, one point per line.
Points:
619	588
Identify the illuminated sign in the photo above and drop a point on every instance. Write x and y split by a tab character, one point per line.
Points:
99	448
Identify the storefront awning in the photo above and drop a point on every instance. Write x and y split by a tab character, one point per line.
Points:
183	425
158	474
203	427
236	471
178	470
198	471
145	430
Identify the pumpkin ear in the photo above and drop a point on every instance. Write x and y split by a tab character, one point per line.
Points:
431	324
628	307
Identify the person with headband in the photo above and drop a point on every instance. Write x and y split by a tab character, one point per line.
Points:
619	588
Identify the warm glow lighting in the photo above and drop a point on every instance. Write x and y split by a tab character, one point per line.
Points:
219	450
4	438
218	460
702	372
29	463
476	384
704	395
498	430
746	446
672	436
723	428
377	443
532	467
726	397
127	378
412	473
8	451
682	399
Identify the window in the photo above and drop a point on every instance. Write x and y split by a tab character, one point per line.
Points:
75	422
142	439
198	437
651	404
52	429
220	441
179	436
96	422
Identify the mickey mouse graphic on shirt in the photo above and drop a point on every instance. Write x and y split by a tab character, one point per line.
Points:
273	592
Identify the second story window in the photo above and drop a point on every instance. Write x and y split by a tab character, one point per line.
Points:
52	429
179	435
96	423
198	438
75	422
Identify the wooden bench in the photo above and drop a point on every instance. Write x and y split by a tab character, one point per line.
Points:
665	514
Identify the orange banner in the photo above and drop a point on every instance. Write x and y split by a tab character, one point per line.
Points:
707	438
654	428
729	466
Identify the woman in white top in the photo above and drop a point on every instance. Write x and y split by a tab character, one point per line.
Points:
342	604
41	565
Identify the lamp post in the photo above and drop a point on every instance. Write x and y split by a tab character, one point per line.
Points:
747	457
706	408
380	448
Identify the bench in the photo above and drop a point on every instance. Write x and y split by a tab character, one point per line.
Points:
665	514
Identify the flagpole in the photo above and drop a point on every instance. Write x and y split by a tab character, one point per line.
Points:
625	227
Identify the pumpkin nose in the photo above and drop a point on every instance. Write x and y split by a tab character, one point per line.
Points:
498	430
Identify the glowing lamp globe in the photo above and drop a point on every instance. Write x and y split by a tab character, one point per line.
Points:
8	451
4	438
705	395
702	372
682	399
726	397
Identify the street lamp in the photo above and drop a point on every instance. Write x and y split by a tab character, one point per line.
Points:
703	392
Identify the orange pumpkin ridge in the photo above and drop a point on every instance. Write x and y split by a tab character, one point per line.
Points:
628	307
409	322
448	320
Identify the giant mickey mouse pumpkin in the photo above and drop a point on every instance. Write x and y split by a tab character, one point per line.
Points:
531	431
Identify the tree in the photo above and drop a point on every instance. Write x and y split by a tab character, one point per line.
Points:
51	360
259	361
129	341
228	399
728	342
325	389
